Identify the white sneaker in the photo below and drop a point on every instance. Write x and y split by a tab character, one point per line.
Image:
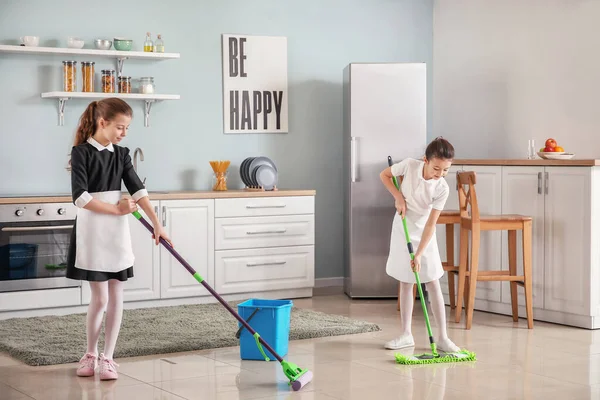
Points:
447	346
400	342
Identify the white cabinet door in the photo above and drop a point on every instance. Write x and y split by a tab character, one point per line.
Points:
451	205
489	197
190	226
145	284
567	223
523	193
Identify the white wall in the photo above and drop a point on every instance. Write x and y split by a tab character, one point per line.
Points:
505	71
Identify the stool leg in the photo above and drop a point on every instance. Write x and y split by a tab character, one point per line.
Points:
475	240
450	262
528	284
512	268
398	306
462	269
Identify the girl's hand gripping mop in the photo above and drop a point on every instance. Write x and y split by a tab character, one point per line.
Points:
298	377
434	357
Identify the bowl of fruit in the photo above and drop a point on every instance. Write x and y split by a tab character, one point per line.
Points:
552	151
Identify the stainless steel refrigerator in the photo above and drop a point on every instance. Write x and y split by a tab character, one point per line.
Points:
385	114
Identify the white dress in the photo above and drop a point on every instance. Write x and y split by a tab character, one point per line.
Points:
421	197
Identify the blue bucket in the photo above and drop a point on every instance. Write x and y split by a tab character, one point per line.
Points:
271	321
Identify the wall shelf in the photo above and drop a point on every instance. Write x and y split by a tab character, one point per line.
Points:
148	100
88	52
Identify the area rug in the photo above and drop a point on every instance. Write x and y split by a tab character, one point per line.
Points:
62	339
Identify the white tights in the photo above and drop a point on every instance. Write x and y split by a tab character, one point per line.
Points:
107	295
437	305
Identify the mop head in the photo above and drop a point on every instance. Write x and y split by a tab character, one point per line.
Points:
298	377
428	358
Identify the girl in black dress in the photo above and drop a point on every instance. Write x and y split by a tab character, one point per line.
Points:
100	251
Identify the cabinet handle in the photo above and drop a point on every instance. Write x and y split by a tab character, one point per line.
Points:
546	177
271	206
156	210
539	183
353	159
265	263
164	216
262	232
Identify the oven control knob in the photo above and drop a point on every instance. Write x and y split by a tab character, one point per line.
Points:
40	211
61	211
19	212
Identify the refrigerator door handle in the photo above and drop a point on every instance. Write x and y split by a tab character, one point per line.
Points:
353	159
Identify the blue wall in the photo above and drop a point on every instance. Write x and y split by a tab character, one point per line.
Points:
323	37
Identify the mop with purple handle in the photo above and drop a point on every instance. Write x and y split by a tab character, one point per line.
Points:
298	377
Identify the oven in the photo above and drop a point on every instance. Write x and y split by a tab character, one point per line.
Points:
34	245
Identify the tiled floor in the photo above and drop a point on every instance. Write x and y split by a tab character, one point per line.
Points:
548	362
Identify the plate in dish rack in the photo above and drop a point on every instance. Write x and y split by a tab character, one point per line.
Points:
556	155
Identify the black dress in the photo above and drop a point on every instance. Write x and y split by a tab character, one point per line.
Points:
100	247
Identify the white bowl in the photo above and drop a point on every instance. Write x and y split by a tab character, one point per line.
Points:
556	155
31	41
75	43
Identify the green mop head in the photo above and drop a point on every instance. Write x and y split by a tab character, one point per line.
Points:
429	358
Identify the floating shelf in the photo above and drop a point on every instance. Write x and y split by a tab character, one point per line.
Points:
88	52
148	99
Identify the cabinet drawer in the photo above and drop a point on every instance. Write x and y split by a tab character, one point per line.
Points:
253	232
239	271
264	206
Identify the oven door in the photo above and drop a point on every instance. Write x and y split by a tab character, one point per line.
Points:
33	255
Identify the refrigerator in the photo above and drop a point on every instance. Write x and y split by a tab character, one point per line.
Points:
385	114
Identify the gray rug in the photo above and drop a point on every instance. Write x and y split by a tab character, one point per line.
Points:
62	339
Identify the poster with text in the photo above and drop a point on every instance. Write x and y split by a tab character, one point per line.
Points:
254	84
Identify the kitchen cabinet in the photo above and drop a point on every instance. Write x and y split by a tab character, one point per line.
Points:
145	284
190	226
568	250
523	193
563	202
264	244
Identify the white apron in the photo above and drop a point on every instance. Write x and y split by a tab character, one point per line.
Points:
398	263
103	241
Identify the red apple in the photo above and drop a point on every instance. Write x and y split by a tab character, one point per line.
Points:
549	149
550	143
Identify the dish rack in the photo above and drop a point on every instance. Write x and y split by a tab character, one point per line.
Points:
259	174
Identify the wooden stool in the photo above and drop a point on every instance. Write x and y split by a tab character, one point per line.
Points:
475	223
448	218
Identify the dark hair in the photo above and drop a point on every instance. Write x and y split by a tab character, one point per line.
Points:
106	109
439	148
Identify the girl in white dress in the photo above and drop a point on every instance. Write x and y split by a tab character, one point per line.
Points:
423	193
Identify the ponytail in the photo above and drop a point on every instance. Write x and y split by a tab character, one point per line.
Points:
87	124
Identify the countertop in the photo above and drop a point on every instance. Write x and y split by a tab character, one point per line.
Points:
526	162
169	195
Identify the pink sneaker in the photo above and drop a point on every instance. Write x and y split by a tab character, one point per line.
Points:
108	368
87	365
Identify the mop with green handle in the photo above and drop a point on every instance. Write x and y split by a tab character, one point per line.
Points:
297	376
434	357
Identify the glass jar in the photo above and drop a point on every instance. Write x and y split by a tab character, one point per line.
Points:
108	81
147	85
87	75
219	181
69	76
124	84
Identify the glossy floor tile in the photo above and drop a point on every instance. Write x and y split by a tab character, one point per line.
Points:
548	362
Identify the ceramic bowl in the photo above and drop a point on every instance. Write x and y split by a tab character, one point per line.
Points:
558	155
122	44
75	43
30	41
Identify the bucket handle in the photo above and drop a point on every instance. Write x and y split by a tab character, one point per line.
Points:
239	331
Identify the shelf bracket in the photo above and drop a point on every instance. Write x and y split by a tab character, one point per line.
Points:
61	110
120	62
148	107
